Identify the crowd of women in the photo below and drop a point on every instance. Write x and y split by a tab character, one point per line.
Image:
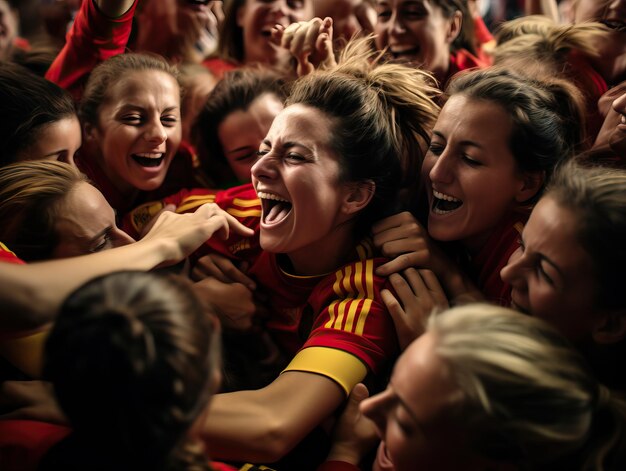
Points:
313	235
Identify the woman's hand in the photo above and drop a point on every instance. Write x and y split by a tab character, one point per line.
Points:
418	293
310	42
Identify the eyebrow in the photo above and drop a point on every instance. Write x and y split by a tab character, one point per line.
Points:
542	257
287	145
465	142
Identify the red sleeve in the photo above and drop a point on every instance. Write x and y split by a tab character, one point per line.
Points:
23	443
92	39
240	202
6	256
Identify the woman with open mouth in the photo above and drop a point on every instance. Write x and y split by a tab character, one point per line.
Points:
435	35
496	143
327	169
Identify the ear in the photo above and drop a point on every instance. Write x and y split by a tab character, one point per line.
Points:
531	184
358	196
89	131
241	11
454	28
611	329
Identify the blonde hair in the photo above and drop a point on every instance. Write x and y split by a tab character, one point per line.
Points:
383	115
30	193
538	43
527	395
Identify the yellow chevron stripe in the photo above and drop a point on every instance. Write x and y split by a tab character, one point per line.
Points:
5	248
341	313
246	213
246	203
332	311
337	283
351	315
365	310
195	203
346	280
369	278
197	197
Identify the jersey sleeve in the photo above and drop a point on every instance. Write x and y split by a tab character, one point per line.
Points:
93	38
240	202
353	333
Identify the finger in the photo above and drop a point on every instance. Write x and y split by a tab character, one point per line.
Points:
357	395
434	286
237	226
416	283
392	221
277	34
235	275
400	263
401	232
406	334
393	248
205	268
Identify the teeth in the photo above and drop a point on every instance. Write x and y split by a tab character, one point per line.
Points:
270	196
442	196
623	119
150	155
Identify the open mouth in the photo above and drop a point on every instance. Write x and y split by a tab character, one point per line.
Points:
444	204
149	159
615	25
401	52
275	208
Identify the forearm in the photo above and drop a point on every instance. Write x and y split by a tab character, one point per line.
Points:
31	294
264	425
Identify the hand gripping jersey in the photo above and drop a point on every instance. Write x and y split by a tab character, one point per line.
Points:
333	324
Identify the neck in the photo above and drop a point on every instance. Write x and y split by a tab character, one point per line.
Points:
325	255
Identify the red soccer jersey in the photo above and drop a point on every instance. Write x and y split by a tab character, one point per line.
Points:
7	256
334	324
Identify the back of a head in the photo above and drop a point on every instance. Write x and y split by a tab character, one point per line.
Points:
597	196
29	103
383	116
543	45
547	114
131	358
528	397
30	194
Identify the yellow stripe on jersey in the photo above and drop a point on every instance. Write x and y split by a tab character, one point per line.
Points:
197	197
4	248
356	291
143	214
342	367
247	213
246	203
186	205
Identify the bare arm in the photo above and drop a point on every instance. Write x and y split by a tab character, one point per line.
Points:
264	425
30	294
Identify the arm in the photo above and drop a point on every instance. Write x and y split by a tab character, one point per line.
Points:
264	425
95	36
30	294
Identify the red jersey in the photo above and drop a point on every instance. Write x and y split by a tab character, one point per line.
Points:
494	256
7	256
333	324
92	39
218	66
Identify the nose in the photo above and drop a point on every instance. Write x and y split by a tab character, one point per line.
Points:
619	104
376	408
264	168
155	132
441	170
397	25
514	272
120	238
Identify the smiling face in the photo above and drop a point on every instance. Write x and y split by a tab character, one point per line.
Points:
85	223
471	175
416	31
257	18
349	16
297	177
8	29
617	138
242	131
412	416
59	140
611	59
550	273
138	129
